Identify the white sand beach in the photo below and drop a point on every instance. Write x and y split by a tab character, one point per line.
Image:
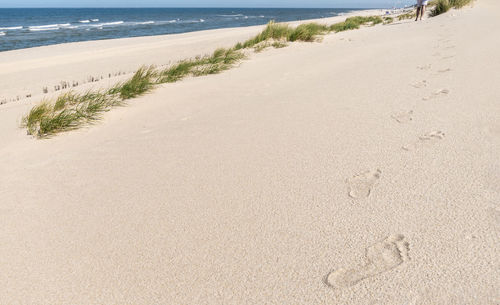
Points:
363	169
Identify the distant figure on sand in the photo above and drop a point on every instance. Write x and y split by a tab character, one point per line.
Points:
421	4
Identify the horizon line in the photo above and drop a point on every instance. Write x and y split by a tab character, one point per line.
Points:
189	7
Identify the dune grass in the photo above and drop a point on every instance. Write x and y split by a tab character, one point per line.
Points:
69	111
72	110
388	20
220	60
409	15
354	23
307	32
140	83
442	6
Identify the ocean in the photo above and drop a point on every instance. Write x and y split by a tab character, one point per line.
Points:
26	28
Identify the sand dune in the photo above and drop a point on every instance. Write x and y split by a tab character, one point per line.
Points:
360	170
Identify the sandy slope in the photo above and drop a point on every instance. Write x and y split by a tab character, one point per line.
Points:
238	188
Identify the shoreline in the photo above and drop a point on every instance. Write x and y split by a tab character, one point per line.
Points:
109	59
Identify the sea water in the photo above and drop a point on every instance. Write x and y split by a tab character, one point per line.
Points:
26	28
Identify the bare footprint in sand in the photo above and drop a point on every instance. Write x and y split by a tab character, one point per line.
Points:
419	85
425	67
361	185
444	70
426	139
381	257
436	94
403	117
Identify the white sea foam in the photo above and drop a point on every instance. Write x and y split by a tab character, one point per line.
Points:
237	15
84	21
166	22
43	26
111	23
202	20
43	29
94	20
48	27
146	22
2	33
11	28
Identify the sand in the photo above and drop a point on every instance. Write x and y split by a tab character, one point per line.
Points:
360	170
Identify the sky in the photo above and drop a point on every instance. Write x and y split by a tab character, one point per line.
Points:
205	3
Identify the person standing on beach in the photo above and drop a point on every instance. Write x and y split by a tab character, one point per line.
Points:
421	4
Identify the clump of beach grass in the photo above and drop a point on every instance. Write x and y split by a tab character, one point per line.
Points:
442	6
220	60
273	31
409	15
388	20
69	111
459	3
279	44
140	83
354	23
307	32
282	33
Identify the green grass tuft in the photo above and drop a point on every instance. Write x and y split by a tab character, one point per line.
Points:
442	6
410	15
69	111
140	83
354	23
273	31
460	3
388	20
307	32
220	60
279	44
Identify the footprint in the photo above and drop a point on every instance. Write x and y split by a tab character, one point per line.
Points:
426	139
444	70
448	57
403	117
383	256
361	185
425	67
439	93
420	84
